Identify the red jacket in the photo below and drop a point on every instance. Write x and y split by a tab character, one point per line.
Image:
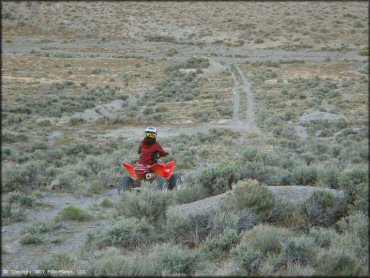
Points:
146	151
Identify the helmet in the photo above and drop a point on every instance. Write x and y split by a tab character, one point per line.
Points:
151	132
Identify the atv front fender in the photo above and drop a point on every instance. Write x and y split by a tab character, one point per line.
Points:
131	171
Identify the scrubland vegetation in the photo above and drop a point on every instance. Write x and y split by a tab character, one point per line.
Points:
66	90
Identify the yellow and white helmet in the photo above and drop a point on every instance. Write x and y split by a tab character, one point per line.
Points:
151	132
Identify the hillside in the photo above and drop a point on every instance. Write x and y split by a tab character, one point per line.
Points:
263	106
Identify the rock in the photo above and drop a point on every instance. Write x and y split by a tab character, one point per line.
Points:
319	116
298	194
188	70
292	193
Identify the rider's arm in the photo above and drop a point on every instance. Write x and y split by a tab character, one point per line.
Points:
161	151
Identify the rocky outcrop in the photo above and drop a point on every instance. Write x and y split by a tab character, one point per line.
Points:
294	194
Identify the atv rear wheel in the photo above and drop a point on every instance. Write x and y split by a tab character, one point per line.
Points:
125	184
174	182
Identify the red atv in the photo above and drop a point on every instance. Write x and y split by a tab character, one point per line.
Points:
160	173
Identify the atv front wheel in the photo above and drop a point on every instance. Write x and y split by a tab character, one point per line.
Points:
125	184
174	182
161	183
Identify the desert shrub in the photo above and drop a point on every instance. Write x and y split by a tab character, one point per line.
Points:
249	259
95	187
118	265
150	203
215	248
335	262
176	259
56	262
21	199
219	179
249	194
299	249
68	180
13	213
32	239
107	204
264	238
284	214
76	121
190	194
353	178
20	177
247	220
360	198
83	171
305	175
96	71
321	208
160	38
11	138
330	177
194	229
354	237
39	227
127	232
191	63
78	148
73	213
322	237
171	51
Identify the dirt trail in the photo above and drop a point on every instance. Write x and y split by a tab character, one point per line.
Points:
250	115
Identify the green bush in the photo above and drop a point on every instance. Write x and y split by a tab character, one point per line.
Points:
56	262
94	164
38	227
249	194
128	232
299	250
176	259
246	221
194	229
95	188
322	237
107	203
68	181
219	179
118	265
305	175
330	177
73	213
250	259
354	236
190	194
338	263
322	208
26	175
32	239
215	248
150	203
264	238
21	199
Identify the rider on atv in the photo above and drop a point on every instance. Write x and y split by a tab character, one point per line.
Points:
150	150
149	167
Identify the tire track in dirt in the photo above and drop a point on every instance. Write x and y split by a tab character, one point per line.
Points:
236	100
250	124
